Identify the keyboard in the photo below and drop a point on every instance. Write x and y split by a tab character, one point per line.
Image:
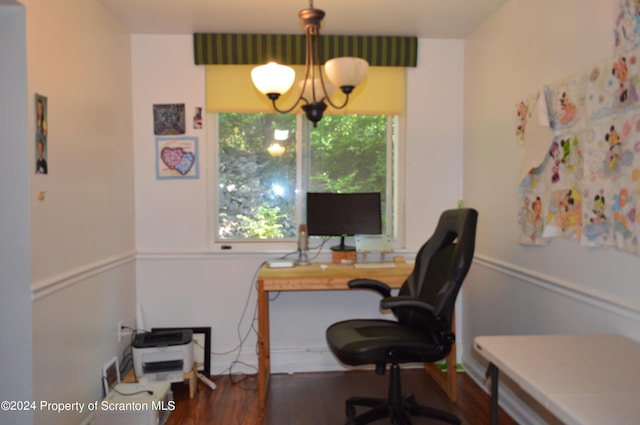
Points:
385	265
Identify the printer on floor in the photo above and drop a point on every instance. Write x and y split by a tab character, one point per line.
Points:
163	355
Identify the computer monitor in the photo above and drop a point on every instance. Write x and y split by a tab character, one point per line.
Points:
344	214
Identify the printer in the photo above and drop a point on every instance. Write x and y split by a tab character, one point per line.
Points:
163	355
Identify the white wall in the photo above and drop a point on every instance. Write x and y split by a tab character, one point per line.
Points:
433	166
82	234
563	287
15	302
179	283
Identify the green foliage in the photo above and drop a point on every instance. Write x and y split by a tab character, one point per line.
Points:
348	153
263	225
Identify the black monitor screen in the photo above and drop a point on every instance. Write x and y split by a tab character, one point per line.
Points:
340	214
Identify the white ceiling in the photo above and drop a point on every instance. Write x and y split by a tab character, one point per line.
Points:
421	18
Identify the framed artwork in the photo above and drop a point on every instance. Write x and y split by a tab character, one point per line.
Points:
197	118
41	134
177	158
168	119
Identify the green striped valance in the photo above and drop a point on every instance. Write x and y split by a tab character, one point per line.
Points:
252	49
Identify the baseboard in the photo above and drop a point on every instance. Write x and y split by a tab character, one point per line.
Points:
292	360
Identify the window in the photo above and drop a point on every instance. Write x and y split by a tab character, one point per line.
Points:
265	163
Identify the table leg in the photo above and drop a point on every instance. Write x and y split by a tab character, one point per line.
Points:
492	374
264	350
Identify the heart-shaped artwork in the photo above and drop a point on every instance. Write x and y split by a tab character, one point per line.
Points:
172	157
187	162
177	158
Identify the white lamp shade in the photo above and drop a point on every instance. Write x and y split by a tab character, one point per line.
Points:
308	94
273	78
280	135
346	71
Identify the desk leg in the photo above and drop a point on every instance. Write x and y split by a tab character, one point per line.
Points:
264	350
492	374
446	381
193	380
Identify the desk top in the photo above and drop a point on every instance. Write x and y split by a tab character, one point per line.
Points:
582	379
335	276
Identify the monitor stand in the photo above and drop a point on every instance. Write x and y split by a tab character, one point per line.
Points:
342	246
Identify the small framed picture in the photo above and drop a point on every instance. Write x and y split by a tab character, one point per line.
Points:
168	119
41	134
177	158
197	118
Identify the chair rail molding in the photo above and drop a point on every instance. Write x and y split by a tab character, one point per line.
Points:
564	287
61	281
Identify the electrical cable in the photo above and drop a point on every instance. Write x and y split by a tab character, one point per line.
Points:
242	338
319	248
127	353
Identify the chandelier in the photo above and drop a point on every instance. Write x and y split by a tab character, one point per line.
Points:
346	73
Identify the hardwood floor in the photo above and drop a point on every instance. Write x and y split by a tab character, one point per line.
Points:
318	399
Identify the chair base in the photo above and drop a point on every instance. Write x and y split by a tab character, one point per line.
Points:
398	408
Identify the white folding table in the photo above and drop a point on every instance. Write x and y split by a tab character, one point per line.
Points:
582	379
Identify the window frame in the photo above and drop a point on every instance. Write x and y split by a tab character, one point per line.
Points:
395	184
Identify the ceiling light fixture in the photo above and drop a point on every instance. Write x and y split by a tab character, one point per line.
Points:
276	149
274	80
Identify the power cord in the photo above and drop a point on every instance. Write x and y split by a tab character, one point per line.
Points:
242	338
319	248
127	353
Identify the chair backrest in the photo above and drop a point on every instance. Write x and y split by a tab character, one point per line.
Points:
441	265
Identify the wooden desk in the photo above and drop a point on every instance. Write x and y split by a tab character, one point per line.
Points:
313	278
581	379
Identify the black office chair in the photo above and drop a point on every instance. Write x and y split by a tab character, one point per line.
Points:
422	332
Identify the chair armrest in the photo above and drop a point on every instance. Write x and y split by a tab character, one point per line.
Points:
375	285
402	301
406	301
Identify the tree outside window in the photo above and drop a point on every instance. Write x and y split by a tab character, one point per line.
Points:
257	180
